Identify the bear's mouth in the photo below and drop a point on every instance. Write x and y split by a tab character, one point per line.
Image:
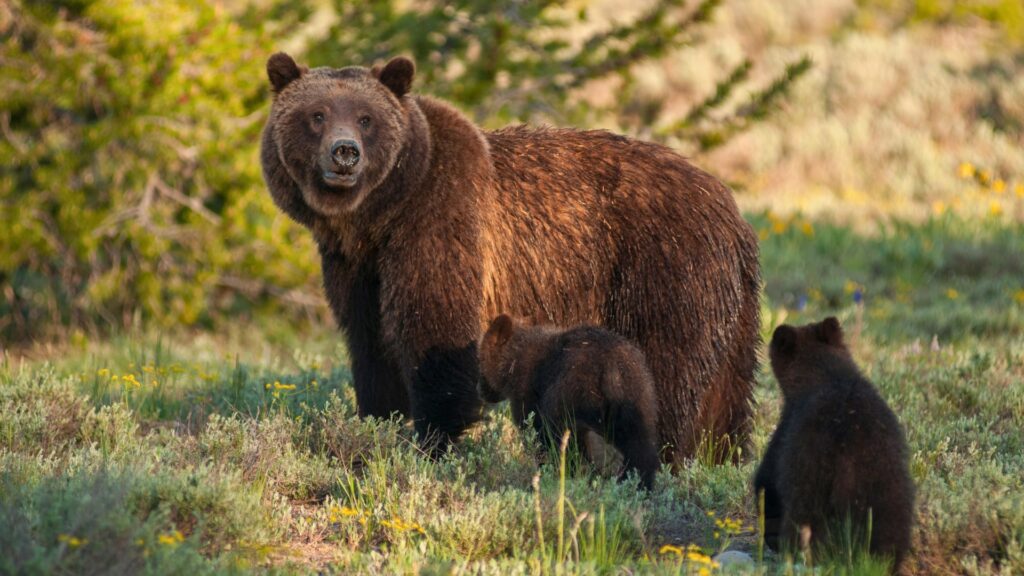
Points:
339	179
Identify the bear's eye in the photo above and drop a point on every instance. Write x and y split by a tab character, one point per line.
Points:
318	117
364	121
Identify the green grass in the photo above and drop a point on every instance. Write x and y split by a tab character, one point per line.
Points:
245	455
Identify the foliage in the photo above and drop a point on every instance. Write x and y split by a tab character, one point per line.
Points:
86	522
131	186
948	277
713	134
133	191
1007	14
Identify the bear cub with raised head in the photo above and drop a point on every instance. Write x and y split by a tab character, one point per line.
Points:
584	379
838	454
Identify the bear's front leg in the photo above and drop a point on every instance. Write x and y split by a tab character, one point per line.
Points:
431	294
443	387
353	291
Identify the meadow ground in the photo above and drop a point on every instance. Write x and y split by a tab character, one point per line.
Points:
217	453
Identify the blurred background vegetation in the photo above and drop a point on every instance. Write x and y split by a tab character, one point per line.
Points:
130	184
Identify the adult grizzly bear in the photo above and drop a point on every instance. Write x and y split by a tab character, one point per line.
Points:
428	226
838	453
586	379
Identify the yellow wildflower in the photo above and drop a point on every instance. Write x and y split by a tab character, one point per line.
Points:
279	386
129	380
339	512
1019	190
966	170
103	372
72	541
939	207
807	228
995	208
952	294
984	176
400	525
999	186
698	557
172	538
670	549
1018	296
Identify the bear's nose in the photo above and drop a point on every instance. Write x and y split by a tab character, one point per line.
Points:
345	152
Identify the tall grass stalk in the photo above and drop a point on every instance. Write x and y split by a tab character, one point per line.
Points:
540	520
760	526
560	506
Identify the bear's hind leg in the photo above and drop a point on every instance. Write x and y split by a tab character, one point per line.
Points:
635	439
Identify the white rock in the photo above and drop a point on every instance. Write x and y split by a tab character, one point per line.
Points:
734	558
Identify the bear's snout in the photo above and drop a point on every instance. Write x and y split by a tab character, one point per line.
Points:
345	153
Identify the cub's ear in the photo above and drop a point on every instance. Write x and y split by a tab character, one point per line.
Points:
784	339
282	71
396	75
500	330
830	332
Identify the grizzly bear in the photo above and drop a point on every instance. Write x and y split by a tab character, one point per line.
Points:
427	226
586	380
837	462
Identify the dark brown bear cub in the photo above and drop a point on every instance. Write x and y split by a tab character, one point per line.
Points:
585	379
838	455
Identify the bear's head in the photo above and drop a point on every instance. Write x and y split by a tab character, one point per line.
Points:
334	134
494	358
802	356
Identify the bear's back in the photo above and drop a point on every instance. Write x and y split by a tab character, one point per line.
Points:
848	416
588	366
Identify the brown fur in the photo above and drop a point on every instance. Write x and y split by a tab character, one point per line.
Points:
585	379
450	225
838	451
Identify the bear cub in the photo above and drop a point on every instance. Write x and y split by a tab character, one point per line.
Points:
584	379
838	453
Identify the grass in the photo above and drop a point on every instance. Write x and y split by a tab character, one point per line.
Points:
231	453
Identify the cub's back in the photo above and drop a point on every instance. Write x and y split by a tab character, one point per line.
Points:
590	364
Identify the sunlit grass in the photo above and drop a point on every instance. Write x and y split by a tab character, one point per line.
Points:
222	458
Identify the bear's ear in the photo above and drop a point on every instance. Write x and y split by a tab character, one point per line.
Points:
396	75
500	331
784	339
830	332
282	71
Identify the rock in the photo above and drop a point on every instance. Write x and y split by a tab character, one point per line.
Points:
734	558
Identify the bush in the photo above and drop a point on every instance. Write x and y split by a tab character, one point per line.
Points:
134	189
